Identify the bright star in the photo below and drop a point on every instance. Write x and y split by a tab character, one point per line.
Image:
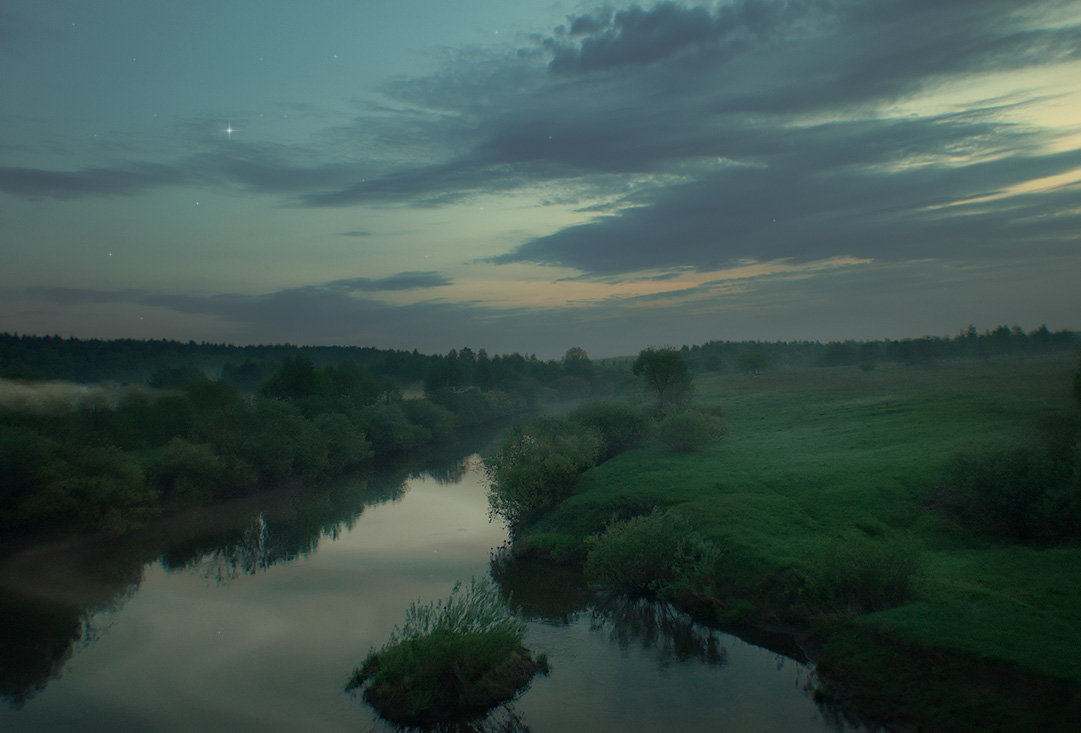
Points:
229	130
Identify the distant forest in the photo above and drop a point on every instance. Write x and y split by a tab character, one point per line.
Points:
157	362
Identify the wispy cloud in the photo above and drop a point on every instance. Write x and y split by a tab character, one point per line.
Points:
697	134
401	281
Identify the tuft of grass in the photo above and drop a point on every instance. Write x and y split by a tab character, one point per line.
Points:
856	575
451	660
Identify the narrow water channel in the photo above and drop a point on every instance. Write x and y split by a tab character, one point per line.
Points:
253	618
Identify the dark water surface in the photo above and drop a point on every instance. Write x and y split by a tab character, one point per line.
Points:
252	617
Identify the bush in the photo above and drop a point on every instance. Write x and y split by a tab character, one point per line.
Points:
537	466
620	426
389	430
658	554
859	575
451	660
689	430
436	419
1020	491
29	462
105	490
346	447
188	473
280	442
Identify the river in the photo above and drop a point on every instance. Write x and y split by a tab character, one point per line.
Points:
253	615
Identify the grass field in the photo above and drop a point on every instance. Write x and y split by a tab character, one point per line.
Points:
826	458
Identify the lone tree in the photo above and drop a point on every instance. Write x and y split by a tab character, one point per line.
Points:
576	363
666	372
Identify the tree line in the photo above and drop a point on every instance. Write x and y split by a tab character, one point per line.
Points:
109	460
757	356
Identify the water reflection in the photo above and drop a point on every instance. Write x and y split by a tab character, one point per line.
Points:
540	591
56	597
559	595
659	627
643	666
504	719
36	640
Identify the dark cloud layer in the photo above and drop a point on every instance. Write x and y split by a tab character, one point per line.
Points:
401	281
716	103
607	40
702	134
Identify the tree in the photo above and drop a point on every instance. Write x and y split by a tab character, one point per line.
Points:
1076	385
576	363
296	377
753	360
666	372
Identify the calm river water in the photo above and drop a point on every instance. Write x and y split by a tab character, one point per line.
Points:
253	616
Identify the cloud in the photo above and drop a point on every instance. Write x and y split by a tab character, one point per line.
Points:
401	281
787	211
257	168
699	135
605	40
624	97
37	183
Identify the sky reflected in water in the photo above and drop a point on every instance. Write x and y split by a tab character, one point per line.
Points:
192	648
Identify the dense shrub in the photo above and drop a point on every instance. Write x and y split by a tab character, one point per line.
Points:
1021	491
451	660
656	554
389	429
859	574
689	430
189	473
102	489
280	442
436	419
537	465
620	425
346	447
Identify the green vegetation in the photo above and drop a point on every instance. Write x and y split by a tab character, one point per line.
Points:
537	465
825	502
921	496
689	430
666	372
621	426
657	554
451	660
1022	492
107	457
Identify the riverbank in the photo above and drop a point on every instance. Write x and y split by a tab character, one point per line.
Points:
830	458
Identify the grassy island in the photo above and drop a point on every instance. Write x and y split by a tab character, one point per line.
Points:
452	660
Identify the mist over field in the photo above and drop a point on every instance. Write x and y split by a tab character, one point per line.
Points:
57	396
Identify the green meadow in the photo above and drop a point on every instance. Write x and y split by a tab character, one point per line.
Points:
825	467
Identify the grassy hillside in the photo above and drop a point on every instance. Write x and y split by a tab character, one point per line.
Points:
825	459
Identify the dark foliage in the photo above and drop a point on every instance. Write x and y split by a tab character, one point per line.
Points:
666	372
620	425
1021	491
537	466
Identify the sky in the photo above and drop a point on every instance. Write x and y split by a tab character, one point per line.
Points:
531	177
